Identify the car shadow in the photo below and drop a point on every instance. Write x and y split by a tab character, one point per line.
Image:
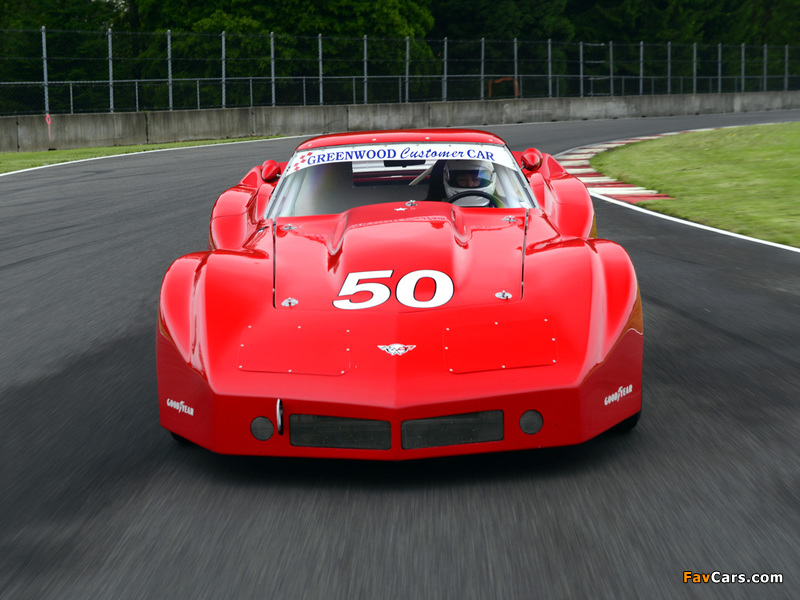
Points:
452	470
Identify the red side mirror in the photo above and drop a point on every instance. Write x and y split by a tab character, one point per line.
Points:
532	159
270	171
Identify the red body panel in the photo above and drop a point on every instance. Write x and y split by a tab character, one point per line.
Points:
537	316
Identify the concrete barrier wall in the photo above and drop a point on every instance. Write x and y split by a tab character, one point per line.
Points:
298	120
186	125
80	131
28	133
364	117
8	134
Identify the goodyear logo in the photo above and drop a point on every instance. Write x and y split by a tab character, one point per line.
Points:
181	406
618	395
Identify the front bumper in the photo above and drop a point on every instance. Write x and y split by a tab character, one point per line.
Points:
287	426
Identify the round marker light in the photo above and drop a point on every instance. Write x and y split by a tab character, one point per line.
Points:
531	422
262	428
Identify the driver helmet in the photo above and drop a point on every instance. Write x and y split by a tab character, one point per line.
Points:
469	175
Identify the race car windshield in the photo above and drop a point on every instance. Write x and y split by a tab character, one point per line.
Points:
335	179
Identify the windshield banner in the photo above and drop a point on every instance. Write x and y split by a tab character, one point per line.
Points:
398	152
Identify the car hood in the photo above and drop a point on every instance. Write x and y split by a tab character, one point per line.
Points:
230	314
398	258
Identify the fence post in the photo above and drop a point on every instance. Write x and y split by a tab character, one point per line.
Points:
581	68
641	67
197	85
516	70
765	69
272	63
611	66
365	68
110	75
44	72
169	66
669	68
719	68
444	73
483	65
408	63
694	68
786	68
319	44
743	82
549	68
223	70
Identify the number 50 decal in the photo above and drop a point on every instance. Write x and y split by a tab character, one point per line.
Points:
404	291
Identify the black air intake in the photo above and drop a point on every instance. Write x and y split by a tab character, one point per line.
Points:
316	431
470	428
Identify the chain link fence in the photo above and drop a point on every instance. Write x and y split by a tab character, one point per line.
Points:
46	71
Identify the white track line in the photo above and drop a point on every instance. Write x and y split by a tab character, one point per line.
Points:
692	224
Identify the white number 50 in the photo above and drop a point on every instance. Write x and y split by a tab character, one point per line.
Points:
405	291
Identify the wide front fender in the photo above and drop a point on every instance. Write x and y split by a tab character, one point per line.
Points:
622	311
207	295
177	310
589	290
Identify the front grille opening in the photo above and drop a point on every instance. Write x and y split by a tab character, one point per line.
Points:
470	428
315	431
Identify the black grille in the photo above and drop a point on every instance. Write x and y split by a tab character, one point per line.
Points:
336	432
470	428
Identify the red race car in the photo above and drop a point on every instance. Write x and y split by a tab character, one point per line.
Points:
400	294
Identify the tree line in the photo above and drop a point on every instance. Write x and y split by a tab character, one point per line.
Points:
774	22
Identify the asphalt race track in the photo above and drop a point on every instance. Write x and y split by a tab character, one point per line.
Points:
97	501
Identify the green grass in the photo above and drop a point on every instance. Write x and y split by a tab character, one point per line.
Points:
743	179
16	161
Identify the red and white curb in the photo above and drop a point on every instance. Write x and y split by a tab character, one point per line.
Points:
576	162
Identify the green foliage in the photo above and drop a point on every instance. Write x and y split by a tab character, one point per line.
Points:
79	15
388	18
773	22
501	20
624	21
686	21
678	21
